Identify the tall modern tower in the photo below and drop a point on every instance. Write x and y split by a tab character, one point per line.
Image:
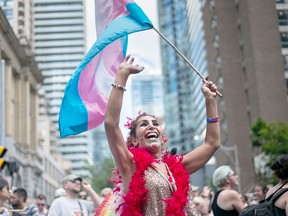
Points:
181	21
147	94
59	46
177	75
282	11
238	44
244	58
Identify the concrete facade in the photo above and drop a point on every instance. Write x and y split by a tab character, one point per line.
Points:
34	169
244	59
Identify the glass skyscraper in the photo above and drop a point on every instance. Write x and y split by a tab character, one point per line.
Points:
185	112
177	75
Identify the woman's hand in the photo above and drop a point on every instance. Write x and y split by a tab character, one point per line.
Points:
126	67
209	89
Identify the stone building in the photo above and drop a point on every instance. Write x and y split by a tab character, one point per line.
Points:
30	166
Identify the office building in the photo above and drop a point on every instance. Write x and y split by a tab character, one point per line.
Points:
177	75
244	58
147	94
282	11
185	112
59	46
28	166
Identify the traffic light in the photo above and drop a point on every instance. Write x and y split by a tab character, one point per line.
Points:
3	151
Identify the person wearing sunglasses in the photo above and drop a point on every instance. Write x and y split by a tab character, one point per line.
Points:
226	201
41	204
70	204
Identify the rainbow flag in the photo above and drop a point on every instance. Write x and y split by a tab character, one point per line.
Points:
105	209
86	94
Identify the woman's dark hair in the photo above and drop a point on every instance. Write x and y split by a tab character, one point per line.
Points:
3	183
263	186
280	167
133	125
132	128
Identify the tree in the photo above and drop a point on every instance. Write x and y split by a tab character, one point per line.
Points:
102	174
271	137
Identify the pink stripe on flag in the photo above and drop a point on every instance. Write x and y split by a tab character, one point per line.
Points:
106	11
96	79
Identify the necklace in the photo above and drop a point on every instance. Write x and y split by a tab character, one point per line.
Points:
138	193
159	160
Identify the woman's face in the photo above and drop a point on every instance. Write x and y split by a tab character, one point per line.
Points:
258	193
149	133
233	178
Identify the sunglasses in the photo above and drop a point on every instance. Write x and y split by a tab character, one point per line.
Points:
76	181
40	204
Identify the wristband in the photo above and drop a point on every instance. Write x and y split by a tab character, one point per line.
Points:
212	120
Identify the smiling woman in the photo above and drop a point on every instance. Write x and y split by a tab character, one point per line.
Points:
151	181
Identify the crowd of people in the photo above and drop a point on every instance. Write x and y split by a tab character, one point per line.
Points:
75	197
149	179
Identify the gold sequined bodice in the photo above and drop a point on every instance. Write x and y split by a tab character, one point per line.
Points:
159	190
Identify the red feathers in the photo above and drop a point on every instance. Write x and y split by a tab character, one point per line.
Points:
138	194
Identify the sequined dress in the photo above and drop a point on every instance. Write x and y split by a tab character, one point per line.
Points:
153	193
160	190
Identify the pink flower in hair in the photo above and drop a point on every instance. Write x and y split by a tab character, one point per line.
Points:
128	123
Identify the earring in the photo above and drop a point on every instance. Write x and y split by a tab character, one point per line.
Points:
164	147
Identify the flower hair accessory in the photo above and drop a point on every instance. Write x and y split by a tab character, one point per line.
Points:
128	124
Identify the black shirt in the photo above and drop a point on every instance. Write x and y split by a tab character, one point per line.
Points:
217	211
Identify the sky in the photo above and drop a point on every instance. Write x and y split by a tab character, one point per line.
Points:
144	46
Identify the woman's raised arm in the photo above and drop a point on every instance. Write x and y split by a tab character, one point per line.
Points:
121	154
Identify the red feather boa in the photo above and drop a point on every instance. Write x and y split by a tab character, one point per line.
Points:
138	194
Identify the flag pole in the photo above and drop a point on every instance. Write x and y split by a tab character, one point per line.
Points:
181	54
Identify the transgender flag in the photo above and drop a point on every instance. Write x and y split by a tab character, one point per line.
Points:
85	97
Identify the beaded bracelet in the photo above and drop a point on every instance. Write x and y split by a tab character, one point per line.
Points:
213	120
118	87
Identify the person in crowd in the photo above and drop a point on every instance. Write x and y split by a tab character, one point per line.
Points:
151	181
41	204
59	192
82	195
280	170
4	197
194	190
104	192
18	201
260	191
70	205
226	201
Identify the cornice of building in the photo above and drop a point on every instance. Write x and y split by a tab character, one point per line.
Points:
24	54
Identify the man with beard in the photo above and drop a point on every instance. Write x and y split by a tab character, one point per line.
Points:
18	201
70	205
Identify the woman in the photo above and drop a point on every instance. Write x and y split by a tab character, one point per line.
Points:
280	168
260	191
4	197
226	201
153	183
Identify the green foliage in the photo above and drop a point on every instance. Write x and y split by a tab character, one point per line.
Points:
102	174
271	137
